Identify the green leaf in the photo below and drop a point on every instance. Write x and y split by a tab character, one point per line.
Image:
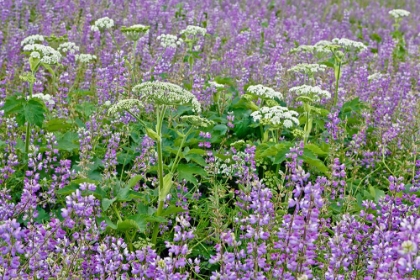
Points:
12	105
133	181
197	159
187	172
315	163
172	210
67	190
316	149
68	141
34	112
152	134
106	202
86	109
127	225
109	222
275	152
221	128
167	184
57	125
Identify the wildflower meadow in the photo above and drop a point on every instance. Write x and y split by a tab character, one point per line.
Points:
211	139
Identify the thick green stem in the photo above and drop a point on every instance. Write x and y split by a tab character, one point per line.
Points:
337	80
28	126
160	116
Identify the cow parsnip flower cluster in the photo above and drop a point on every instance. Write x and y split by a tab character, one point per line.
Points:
264	92
33	39
193	30
85	58
169	40
164	93
216	85
46	97
197	121
308	68
46	54
349	44
68	47
102	24
315	92
125	105
135	32
399	13
276	115
375	76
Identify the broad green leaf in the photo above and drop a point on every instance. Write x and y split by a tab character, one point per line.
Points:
109	222
106	202
172	210
127	225
152	134
57	125
133	181
12	105
34	112
316	149
197	159
188	172
68	141
67	190
221	128
167	184
316	164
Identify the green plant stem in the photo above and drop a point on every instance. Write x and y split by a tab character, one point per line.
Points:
160	115
177	158
133	61
28	126
337	81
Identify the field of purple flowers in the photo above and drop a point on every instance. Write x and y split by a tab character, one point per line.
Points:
212	139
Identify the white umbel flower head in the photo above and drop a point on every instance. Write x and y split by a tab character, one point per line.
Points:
169	41
85	58
216	85
68	47
125	105
264	92
197	121
321	47
375	76
308	68
164	93
350	44
399	13
314	92
46	97
135	32
33	39
193	30
102	24
47	54
276	115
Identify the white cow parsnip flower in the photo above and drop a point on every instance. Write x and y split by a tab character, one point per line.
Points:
102	24
169	40
314	92
47	54
135	32
264	92
276	115
399	13
125	105
194	30
85	58
32	40
164	93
